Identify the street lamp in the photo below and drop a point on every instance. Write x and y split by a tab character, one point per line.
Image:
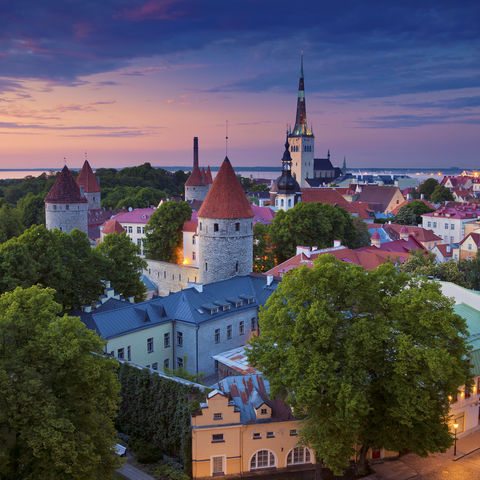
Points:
455	426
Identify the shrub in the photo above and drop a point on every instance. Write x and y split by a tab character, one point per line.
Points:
145	452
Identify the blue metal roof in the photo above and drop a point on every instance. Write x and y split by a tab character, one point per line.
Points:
186	306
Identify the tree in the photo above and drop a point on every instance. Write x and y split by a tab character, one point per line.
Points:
262	252
32	208
164	231
10	224
59	399
366	358
427	187
411	214
441	194
125	265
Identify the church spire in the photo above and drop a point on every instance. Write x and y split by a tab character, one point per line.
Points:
301	127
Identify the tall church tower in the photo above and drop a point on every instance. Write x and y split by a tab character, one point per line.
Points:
301	139
225	229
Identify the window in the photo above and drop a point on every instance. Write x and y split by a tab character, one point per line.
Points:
217	466
237	227
139	241
293	433
166	340
429	224
262	459
299	455
166	363
229	332
217	335
149	345
217	437
217	416
194	255
129	353
200	225
263	411
164	274
206	266
215	227
434	224
452	226
180	339
281	202
130	229
143	229
148	366
179	362
241	328
257	436
446	226
469	246
155	366
120	353
236	267
270	434
139	229
253	324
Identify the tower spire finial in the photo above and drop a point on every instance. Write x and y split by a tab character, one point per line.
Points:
301	63
226	138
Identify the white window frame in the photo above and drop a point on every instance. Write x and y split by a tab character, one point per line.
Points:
305	449
224	464
270	452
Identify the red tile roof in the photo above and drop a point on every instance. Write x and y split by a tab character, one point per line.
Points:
226	198
443	250
475	237
191	225
195	179
406	202
65	189
209	175
421	234
378	196
87	179
362	209
112	226
323	195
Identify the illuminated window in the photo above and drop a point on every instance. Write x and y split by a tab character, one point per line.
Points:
299	455
262	459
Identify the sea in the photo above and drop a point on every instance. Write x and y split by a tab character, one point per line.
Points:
265	172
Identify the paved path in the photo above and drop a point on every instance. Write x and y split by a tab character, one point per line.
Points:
440	466
134	473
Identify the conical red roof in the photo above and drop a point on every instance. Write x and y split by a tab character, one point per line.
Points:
226	198
65	189
87	179
195	178
112	226
209	175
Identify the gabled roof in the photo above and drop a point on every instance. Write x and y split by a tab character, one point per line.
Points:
323	195
474	236
195	179
87	179
138	215
362	209
421	234
322	164
112	226
378	196
442	248
65	189
209	175
226	198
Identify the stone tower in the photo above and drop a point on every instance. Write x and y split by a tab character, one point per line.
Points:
65	205
91	189
225	229
285	192
198	183
301	139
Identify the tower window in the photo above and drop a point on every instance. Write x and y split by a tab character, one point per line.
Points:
206	266
236	267
67	207
215	227
237	227
200	225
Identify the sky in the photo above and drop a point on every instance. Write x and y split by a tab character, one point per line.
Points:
388	83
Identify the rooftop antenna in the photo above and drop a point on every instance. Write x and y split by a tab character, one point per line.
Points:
86	156
226	138
65	160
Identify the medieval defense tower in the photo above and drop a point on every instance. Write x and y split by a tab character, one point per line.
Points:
301	139
65	205
199	181
225	229
87	181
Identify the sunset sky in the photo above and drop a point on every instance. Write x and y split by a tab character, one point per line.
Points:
388	83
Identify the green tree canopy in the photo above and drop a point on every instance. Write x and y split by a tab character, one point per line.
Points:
411	214
263	259
367	358
126	265
32	209
427	187
58	400
441	194
164	231
10	223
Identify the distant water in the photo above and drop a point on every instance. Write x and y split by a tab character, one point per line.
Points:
262	172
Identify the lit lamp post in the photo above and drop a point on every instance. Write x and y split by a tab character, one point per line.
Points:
455	426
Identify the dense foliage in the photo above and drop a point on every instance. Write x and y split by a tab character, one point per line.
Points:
163	238
307	224
367	358
58	399
411	214
158	410
441	194
68	264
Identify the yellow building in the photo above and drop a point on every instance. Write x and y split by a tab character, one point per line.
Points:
242	432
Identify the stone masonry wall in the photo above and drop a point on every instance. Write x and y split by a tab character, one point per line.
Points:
170	277
66	216
196	192
94	200
226	252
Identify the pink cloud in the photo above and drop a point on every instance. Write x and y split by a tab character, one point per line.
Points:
153	10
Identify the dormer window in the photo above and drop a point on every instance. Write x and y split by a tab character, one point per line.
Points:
257	436
263	411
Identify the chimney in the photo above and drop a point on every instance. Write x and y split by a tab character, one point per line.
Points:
449	248
195	151
131	299
304	250
87	308
404	233
337	243
269	280
422	196
375	240
409	197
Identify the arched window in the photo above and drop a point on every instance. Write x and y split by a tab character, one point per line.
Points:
299	455
289	202
281	202
262	459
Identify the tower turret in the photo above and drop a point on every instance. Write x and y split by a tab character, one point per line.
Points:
196	186
225	229
91	189
65	205
301	139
